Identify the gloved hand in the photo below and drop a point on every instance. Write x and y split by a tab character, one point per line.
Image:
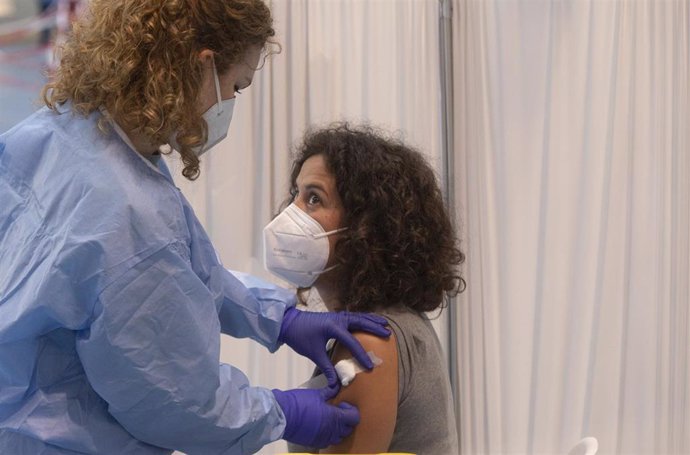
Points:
310	421
307	332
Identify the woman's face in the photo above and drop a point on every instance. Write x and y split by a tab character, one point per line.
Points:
317	195
238	77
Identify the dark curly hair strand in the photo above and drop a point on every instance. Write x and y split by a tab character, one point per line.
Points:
400	248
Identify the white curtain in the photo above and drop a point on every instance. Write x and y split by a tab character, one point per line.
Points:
572	182
373	61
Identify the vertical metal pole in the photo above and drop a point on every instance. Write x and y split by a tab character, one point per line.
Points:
447	157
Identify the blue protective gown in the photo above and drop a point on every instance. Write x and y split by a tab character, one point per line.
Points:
112	301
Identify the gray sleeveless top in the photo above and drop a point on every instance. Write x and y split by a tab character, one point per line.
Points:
425	423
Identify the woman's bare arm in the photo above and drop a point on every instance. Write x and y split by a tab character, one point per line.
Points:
375	393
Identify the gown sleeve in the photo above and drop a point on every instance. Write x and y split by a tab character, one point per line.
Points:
247	306
152	353
250	307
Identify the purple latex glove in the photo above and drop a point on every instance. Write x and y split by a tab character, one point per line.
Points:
310	421
307	332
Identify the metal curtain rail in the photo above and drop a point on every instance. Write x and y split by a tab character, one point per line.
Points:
447	167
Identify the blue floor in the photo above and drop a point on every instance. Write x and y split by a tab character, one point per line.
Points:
22	68
21	81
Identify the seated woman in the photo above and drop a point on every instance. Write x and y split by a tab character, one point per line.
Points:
367	228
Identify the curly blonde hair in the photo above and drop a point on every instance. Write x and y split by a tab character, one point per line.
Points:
140	61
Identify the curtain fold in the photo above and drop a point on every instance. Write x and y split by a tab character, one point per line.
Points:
572	186
573	190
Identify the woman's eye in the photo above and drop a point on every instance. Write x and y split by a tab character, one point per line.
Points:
313	199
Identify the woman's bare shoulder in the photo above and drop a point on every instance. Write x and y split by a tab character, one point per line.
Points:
374	393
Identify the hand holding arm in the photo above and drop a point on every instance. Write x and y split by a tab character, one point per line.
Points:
311	421
375	394
307	332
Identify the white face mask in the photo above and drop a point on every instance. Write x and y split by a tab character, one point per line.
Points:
296	247
217	118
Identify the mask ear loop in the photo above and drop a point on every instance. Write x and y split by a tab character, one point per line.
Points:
217	82
326	234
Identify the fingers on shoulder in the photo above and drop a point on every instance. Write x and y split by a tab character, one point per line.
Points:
384	348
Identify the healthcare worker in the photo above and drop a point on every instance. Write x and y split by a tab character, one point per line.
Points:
112	299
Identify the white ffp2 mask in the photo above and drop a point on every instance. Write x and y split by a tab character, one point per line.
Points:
296	247
217	118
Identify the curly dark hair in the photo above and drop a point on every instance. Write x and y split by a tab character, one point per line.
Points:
400	247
